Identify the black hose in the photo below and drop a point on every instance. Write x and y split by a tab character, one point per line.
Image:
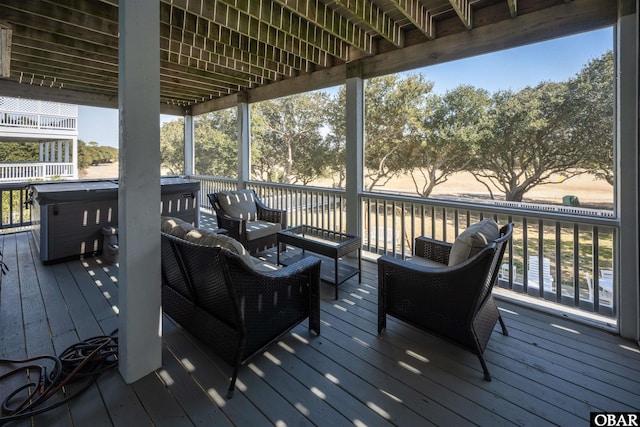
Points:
83	361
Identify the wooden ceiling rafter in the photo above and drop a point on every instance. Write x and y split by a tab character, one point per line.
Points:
334	23
212	50
224	55
369	15
419	16
283	32
464	11
245	45
513	7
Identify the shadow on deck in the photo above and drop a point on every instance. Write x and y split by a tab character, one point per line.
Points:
547	371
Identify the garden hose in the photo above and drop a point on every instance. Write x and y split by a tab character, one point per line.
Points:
83	361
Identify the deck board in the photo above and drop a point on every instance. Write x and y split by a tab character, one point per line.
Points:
548	370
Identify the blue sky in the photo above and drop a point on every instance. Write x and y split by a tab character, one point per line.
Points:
514	69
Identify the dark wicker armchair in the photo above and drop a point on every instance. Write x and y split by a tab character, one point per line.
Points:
236	310
248	219
453	302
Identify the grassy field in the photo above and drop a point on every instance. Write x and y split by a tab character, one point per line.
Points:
590	191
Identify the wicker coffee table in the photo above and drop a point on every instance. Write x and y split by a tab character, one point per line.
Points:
327	243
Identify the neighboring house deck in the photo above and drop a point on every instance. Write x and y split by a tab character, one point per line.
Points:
547	371
53	125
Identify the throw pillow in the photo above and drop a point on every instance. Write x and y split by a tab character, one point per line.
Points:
472	240
239	204
209	238
175	226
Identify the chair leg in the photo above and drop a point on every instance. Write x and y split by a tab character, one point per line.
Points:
504	327
487	375
232	385
382	322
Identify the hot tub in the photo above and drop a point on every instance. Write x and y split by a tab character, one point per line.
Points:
68	217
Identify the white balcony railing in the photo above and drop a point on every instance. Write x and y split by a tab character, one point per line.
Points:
33	115
14	172
577	247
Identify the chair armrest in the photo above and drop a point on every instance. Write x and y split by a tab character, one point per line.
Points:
234	226
431	249
448	288
247	282
277	216
306	265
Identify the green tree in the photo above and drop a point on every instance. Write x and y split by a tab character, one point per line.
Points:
391	105
592	91
336	137
172	146
216	143
528	140
443	135
287	138
91	154
19	151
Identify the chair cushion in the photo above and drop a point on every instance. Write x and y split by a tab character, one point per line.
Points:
424	262
175	226
472	240
209	238
239	204
258	229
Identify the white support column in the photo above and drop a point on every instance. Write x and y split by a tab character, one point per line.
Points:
354	149
74	156
46	151
140	318
627	167
189	145
41	152
59	151
66	151
52	152
244	143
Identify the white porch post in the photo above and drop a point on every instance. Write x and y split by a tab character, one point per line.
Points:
66	151
627	165
244	143
139	323
354	148
189	145
74	156
41	152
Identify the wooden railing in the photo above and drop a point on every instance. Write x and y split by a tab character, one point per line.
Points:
577	249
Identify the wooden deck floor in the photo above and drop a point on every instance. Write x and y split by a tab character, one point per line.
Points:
547	371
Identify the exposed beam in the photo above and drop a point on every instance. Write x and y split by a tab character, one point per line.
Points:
463	9
371	16
418	15
324	17
557	21
545	24
189	20
60	20
47	93
513	7
210	52
234	16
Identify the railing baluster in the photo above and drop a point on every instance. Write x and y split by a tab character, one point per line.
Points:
324	207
